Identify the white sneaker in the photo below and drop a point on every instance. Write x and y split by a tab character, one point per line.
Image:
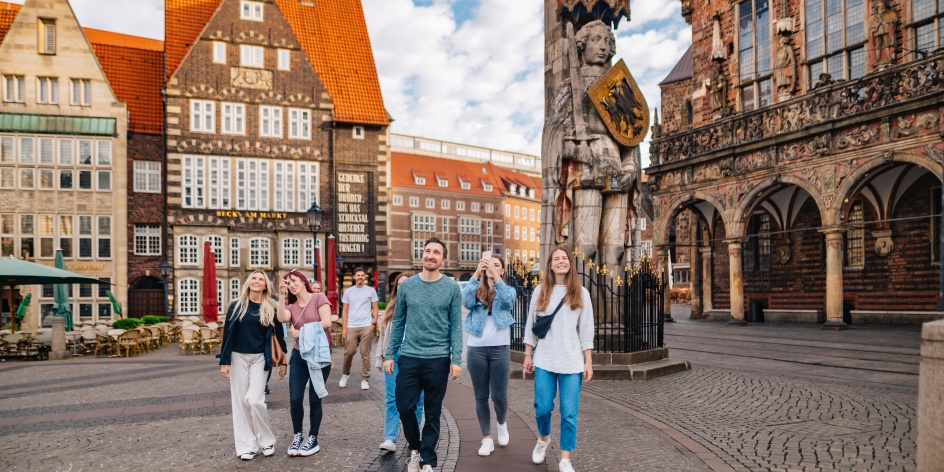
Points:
503	434
413	465
388	446
487	447
565	466
539	450
365	385
248	456
268	450
343	382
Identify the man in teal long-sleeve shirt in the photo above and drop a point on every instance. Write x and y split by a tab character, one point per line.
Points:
427	322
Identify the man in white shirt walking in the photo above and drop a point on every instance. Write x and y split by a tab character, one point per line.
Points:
358	320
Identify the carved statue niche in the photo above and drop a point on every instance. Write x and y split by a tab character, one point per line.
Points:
719	89
884	27
785	69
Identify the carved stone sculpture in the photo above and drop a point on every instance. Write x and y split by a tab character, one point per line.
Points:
719	89
598	176
785	69
884	27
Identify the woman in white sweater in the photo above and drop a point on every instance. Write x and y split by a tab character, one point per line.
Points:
560	360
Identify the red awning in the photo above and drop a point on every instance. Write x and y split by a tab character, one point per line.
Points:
331	275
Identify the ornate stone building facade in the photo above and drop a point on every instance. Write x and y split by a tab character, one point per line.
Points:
808	149
271	106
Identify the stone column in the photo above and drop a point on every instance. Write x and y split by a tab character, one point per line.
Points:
663	254
696	272
834	238
59	339
737	283
931	398
706	278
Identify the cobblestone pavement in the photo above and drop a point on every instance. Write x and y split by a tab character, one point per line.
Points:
763	397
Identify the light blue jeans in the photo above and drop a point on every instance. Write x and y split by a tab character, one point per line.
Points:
392	416
546	385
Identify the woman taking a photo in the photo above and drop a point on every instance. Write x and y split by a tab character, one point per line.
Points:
489	302
245	357
560	359
299	305
391	415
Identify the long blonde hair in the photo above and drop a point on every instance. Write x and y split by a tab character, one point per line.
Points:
266	309
392	304
485	292
574	296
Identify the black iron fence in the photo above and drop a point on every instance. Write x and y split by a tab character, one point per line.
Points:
627	304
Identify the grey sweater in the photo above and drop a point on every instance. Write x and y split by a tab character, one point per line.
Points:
571	333
430	316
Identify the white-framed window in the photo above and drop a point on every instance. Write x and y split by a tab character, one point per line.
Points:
250	10
309	252
85	236
398	200
517	212
470	252
507	254
836	38
81	92
104	237
486	187
252	184
259	252
475	206
424	222
928	25
48	90
358	133
202	116
235	288
7	150
530	255
308	185
754	53
445	225
234	252
147	176
270	121
233	118
85	152
27	178
489	208
220	296
104	180
85	180
507	231
14	88
517	232
489	228
518	254
147	239
283	186
460	205
291	252
47	152
531	214
47	43
465	185
66	151
251	56
507	210
299	123
642	224
285	59
219	52
470	226
188	296
46	179
188	250
104	152
444	183
193	182
444	204
419	180
220	183
414	201
418	249
531	234
430	203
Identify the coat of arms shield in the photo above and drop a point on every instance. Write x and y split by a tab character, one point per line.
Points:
621	105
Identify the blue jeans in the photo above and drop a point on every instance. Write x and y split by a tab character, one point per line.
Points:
392	416
426	377
488	367
299	378
546	385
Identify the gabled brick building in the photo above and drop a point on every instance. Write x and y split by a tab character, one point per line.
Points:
804	139
271	106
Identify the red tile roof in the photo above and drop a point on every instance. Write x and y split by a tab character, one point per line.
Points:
520	179
133	66
332	33
404	166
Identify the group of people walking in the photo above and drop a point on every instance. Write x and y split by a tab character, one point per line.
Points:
419	350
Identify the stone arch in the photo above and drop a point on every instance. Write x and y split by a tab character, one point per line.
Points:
681	201
752	199
851	183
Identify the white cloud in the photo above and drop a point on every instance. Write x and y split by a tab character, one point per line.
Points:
134	17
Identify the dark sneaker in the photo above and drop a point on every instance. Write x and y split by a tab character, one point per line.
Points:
310	447
296	445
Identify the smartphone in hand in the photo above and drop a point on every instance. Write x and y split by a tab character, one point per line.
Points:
486	254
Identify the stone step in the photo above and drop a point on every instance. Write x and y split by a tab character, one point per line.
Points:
643	371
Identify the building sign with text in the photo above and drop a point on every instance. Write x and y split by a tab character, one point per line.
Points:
355	200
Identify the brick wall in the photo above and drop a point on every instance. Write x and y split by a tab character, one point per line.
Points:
143	208
676	99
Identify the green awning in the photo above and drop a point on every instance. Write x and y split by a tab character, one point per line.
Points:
53	124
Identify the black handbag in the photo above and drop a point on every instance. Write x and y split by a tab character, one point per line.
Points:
542	324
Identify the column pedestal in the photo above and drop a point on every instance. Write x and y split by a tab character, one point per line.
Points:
737	284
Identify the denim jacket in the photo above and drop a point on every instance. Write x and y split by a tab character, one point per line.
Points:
505	297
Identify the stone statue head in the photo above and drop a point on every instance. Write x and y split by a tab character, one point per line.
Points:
596	43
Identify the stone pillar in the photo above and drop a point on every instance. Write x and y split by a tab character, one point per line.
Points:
59	339
706	278
834	238
931	398
663	254
737	283
696	272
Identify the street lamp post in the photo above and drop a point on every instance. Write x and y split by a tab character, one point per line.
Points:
315	213
340	265
165	272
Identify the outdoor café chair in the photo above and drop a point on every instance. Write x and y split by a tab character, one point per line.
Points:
208	339
129	341
104	342
189	339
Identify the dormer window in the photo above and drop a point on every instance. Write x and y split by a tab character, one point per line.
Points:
512	188
530	193
521	191
465	185
486	186
419	180
47	36
442	182
251	11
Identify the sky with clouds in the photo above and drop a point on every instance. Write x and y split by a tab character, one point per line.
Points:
468	71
